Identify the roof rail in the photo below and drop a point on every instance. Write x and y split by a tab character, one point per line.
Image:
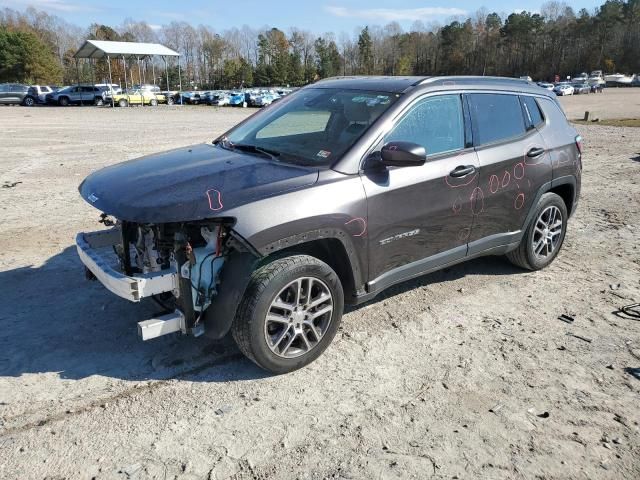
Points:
473	79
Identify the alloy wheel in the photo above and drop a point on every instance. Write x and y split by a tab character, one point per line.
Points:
547	232
298	317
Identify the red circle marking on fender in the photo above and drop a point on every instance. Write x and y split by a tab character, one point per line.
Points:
215	199
494	183
506	178
519	201
518	168
362	222
477	201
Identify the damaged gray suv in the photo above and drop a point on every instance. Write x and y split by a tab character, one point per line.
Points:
326	198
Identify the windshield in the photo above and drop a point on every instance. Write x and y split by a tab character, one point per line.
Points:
314	126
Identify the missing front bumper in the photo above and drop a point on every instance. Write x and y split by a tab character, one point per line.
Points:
132	288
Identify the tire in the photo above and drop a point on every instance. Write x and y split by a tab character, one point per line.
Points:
98	101
153	102
292	341
123	102
170	100
28	102
531	254
63	101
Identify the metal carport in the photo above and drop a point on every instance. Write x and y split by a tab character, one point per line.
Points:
97	49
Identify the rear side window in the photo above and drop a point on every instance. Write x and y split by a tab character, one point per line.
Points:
436	123
495	117
532	110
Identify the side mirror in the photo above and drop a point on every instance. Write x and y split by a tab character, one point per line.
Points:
403	154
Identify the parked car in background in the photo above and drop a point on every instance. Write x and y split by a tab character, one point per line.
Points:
36	95
76	95
12	93
218	99
580	88
137	96
192	98
546	86
268	231
237	99
562	89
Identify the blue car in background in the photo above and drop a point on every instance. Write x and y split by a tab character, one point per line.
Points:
238	99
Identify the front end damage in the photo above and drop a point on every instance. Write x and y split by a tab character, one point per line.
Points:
179	265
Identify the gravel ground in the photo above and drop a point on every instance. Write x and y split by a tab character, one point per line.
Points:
612	103
466	373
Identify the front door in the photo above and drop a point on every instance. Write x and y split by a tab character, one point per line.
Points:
426	211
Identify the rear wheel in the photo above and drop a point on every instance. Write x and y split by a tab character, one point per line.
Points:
28	102
153	102
544	236
98	101
123	102
289	314
170	100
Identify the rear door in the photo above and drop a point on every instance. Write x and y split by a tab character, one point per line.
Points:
419	212
513	165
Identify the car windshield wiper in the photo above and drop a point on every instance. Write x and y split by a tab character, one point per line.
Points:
245	147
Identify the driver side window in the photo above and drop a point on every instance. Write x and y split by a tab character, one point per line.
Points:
436	123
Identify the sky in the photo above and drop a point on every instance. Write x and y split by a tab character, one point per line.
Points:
317	16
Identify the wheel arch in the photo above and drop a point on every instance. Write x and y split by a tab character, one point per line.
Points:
564	186
325	245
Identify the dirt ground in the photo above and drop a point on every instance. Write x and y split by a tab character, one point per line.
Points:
612	103
466	373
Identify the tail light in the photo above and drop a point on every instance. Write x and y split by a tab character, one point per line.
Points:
579	147
579	144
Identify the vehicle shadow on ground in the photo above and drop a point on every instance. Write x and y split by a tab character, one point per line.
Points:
636	158
52	320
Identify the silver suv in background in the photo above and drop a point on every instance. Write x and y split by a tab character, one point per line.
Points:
12	93
76	95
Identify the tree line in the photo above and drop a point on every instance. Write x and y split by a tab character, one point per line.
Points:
36	47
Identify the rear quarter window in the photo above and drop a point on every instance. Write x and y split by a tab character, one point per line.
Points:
495	117
532	110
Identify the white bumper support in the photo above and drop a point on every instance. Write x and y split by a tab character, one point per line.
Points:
133	287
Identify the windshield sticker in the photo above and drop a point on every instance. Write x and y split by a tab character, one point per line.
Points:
323	154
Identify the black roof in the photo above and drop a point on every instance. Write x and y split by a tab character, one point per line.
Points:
401	84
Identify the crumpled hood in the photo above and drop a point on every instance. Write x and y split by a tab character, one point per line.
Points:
191	183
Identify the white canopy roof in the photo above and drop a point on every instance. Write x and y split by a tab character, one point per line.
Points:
104	48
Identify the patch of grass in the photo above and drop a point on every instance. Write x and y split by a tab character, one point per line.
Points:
620	122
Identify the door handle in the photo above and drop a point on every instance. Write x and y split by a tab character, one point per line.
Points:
462	171
535	152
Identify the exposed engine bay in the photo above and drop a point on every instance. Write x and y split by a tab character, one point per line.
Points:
177	264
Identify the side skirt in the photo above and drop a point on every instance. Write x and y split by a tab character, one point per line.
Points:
493	245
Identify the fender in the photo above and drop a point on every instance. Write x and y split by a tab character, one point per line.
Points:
546	187
238	267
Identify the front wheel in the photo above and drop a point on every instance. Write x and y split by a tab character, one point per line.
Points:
63	101
544	236
153	102
122	102
289	314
